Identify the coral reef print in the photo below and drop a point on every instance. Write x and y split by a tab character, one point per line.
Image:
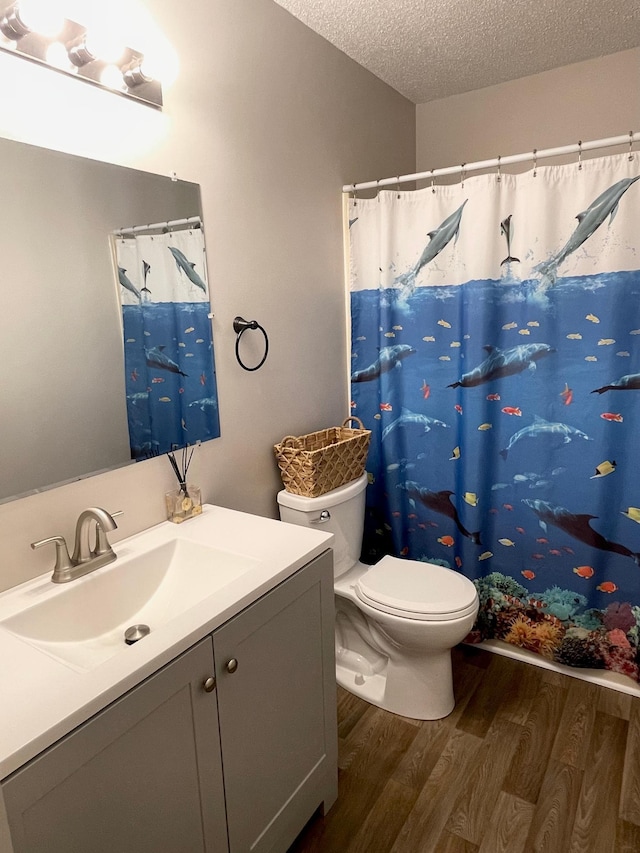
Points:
557	624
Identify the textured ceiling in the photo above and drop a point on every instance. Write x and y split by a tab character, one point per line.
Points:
430	49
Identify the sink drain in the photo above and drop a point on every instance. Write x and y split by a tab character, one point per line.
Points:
135	633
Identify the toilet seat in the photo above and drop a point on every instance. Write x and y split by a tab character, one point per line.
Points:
417	590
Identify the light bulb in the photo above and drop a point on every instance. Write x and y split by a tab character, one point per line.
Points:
41	16
57	56
151	68
105	46
111	76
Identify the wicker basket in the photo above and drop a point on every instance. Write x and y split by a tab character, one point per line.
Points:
311	465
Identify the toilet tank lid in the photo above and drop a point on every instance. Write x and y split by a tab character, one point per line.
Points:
329	499
417	587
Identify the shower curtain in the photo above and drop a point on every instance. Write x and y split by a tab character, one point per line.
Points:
496	359
168	347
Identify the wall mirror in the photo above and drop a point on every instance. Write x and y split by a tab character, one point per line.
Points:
74	401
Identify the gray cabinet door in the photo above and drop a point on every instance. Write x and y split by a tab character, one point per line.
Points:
277	710
142	776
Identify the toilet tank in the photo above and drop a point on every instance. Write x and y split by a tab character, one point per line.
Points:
345	508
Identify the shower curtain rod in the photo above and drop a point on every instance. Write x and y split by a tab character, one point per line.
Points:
534	156
159	226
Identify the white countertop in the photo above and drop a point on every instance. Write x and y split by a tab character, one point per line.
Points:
43	698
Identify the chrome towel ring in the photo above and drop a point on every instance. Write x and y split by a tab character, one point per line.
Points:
240	326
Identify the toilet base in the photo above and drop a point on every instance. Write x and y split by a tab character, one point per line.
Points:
409	675
370	688
423	692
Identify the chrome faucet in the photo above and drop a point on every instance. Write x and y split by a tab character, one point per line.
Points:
85	559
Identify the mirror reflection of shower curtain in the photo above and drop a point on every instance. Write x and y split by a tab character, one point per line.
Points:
168	344
496	359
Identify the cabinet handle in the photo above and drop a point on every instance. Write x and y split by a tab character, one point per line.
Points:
232	665
209	685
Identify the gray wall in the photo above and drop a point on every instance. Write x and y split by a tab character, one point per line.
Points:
588	100
270	120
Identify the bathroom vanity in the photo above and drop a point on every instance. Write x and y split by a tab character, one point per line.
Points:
220	735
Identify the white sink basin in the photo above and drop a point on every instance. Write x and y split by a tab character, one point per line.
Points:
82	623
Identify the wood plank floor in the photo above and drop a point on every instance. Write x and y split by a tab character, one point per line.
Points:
529	761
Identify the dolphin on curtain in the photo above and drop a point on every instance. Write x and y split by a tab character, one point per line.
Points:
588	221
155	357
507	231
578	526
439	238
542	427
126	282
439	502
188	268
503	363
630	382
407	417
388	359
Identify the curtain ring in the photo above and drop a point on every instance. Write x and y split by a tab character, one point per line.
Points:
535	162
433	189
398	196
630	158
240	326
355	194
378	189
499	178
580	156
463	175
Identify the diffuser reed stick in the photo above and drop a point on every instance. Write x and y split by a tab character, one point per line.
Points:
182	468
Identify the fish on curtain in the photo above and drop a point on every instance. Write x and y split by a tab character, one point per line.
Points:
496	359
168	346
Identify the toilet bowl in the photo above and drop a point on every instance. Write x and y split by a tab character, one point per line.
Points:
396	621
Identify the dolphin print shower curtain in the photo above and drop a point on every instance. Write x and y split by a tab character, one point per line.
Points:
496	358
168	346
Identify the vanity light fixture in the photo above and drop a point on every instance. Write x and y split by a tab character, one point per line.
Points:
30	29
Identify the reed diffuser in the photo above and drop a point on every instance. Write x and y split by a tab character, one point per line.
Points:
184	502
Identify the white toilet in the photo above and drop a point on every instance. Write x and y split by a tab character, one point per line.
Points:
397	621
